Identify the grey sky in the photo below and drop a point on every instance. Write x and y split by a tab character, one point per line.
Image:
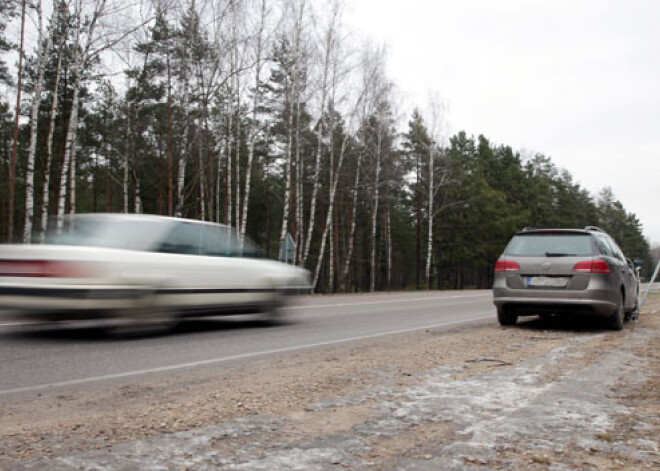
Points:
576	80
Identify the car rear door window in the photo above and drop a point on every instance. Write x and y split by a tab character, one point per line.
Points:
608	247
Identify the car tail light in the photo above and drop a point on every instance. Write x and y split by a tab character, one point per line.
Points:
593	266
506	265
43	268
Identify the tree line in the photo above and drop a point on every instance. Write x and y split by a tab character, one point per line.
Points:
270	117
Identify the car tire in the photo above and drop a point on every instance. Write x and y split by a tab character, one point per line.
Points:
149	316
615	321
633	315
272	312
506	316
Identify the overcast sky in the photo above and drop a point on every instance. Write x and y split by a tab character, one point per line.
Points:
577	80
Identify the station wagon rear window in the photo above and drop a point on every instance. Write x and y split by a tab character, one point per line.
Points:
551	245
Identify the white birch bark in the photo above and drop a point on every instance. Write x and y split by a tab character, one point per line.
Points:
73	121
126	162
351	236
292	99
202	183
329	45
437	113
183	154
45	200
429	240
287	187
237	162
43	53
329	216
374	213
300	225
81	58
229	167
251	131
236	102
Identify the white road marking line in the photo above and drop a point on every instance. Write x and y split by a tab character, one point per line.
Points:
160	369
389	301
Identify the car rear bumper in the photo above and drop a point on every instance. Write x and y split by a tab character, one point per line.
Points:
596	295
67	302
530	301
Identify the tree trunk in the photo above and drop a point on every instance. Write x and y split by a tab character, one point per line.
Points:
288	171
69	143
429	241
374	215
170	143
351	237
251	131
34	120
14	147
125	181
388	237
45	201
181	178
329	219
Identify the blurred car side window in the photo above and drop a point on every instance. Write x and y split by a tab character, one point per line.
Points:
184	238
218	241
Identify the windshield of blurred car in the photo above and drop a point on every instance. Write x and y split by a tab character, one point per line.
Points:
104	231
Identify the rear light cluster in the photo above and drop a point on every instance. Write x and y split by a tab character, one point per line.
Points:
593	266
506	266
42	269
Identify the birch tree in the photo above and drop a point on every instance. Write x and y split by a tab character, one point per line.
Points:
14	147
45	198
261	43
436	111
292	98
328	42
42	52
91	39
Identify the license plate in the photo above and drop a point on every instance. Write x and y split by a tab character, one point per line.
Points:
547	281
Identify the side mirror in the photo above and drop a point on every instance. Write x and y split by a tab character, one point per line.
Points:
638	263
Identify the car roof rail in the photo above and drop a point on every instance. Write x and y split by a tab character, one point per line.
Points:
593	228
528	228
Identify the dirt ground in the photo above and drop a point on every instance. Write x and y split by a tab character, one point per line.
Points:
552	394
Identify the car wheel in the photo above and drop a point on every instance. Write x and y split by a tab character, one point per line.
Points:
615	321
633	315
506	316
147	317
272	312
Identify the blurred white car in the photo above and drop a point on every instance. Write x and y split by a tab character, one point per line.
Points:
142	268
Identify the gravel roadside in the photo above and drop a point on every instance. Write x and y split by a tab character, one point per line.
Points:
542	395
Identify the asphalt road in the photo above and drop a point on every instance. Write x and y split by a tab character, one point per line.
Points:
36	358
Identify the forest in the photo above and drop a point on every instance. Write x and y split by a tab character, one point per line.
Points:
270	116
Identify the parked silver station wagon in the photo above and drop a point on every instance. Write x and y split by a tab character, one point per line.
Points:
565	271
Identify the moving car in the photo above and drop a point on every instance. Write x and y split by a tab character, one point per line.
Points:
565	271
142	268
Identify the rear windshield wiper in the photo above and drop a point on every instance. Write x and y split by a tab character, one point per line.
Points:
559	254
